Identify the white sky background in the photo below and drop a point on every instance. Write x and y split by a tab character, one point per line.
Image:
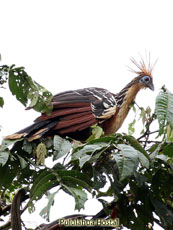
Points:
75	44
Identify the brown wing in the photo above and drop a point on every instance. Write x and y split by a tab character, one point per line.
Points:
73	111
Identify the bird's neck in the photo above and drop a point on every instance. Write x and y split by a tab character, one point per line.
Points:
124	100
128	94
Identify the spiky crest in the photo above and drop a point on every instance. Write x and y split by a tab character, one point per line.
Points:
144	67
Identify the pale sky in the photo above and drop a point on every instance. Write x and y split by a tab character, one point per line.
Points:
71	44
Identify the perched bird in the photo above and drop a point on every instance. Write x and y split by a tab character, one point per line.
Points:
75	111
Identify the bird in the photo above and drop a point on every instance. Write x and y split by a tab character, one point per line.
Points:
75	111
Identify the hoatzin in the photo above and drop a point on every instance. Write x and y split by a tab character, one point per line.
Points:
75	111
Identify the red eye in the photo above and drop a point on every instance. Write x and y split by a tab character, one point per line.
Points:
146	79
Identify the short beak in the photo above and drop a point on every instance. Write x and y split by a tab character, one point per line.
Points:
151	86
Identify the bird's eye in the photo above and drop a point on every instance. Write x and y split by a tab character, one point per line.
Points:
146	78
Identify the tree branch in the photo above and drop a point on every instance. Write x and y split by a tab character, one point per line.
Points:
13	207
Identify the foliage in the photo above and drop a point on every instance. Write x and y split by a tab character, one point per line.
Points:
27	91
136	172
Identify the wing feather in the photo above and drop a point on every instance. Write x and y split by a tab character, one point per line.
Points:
73	111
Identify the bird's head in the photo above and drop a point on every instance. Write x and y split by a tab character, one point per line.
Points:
144	72
146	81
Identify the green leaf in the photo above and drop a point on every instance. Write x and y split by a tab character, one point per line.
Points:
143	160
28	91
28	146
43	182
79	195
131	128
62	173
4	155
41	153
135	144
18	85
6	143
33	96
74	182
45	212
48	179
41	99
1	102
61	147
84	159
164	108
169	134
84	153
95	156
127	161
97	132
7	174
23	162
145	114
168	150
154	154
99	179
41	178
105	139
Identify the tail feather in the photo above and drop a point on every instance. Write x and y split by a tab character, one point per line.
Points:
62	125
33	129
15	136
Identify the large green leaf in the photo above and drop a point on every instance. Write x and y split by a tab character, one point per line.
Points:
61	147
43	183
135	144
43	177
84	153
45	212
127	160
74	182
79	195
40	98
18	84
164	108
50	178
79	176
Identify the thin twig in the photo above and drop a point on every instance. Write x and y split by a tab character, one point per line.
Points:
149	142
143	135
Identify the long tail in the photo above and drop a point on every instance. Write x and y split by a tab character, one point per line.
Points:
33	131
